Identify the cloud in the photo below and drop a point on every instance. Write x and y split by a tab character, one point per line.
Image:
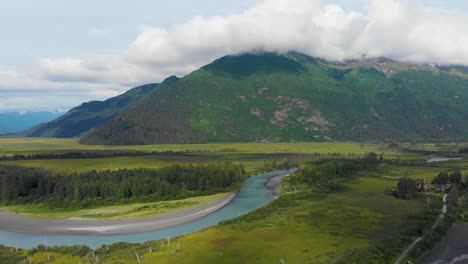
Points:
403	30
29	92
96	69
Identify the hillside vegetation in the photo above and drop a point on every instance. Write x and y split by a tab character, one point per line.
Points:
88	115
28	185
291	97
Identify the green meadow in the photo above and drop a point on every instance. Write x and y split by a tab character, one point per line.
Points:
83	165
301	226
115	212
9	146
252	155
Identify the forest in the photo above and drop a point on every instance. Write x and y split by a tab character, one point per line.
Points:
324	175
27	185
76	155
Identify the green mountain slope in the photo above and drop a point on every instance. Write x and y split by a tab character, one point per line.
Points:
292	97
88	115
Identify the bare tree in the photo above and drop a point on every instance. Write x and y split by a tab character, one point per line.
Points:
138	257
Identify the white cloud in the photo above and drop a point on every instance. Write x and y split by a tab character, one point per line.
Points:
406	30
400	29
29	92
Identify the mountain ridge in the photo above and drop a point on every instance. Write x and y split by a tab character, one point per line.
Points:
271	97
88	115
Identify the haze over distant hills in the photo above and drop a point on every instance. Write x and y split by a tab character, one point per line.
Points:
12	122
273	97
88	115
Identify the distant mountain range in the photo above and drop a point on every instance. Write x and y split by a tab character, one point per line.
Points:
291	97
14	122
88	115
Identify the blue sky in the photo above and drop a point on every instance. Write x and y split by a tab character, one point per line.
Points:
56	28
56	54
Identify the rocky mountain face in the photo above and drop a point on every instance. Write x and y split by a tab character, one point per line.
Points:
291	97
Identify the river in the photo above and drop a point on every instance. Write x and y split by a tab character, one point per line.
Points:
441	159
253	195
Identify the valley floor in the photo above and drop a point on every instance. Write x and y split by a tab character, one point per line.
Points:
299	227
358	223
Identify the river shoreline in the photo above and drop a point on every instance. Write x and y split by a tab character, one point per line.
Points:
13	223
22	225
254	194
274	183
442	159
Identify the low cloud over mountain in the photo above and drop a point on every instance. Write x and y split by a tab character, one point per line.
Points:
414	31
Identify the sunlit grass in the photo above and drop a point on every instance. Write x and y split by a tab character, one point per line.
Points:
118	212
42	145
314	229
83	165
252	155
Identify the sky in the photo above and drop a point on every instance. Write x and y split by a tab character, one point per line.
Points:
56	54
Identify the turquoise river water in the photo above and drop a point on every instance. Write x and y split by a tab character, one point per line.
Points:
253	195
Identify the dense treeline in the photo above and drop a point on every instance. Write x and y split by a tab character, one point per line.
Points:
94	155
325	174
407	188
74	155
23	185
105	154
444	177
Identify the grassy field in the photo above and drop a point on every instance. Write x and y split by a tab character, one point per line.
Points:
10	146
432	147
297	228
252	155
252	163
118	212
83	165
310	230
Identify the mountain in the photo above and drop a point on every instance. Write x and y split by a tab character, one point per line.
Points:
14	122
88	115
291	97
